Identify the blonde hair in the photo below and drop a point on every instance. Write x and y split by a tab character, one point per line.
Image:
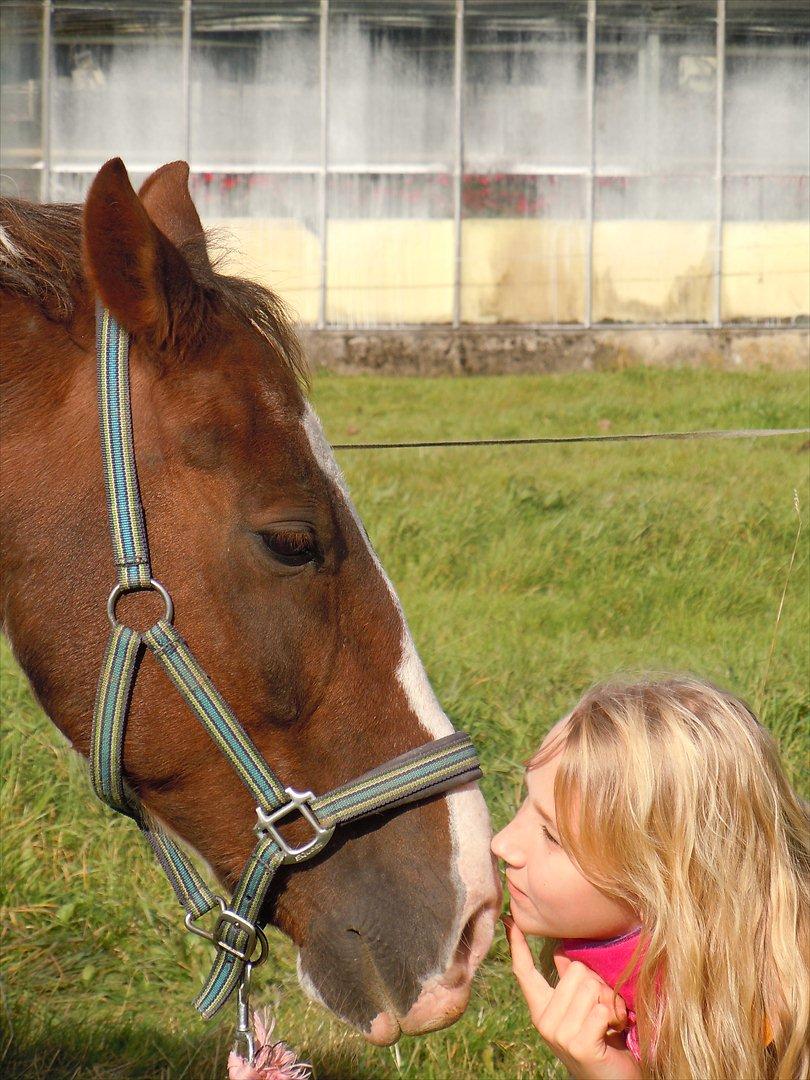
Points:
671	796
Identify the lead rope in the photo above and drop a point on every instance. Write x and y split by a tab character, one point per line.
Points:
419	773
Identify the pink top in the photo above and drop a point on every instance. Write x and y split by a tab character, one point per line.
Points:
608	959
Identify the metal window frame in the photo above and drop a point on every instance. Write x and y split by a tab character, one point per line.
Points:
719	151
323	169
458	163
45	102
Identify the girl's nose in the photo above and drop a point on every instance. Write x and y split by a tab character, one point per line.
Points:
505	846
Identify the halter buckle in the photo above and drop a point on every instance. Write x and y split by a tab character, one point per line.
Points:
226	919
300	801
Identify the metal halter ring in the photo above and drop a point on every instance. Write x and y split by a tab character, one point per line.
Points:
154	586
228	918
300	801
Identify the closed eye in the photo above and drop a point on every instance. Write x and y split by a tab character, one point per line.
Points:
292	545
548	836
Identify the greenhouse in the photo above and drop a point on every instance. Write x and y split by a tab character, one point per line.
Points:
555	163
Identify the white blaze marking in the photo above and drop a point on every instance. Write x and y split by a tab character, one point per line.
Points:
469	818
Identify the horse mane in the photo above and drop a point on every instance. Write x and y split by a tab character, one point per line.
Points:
40	254
41	259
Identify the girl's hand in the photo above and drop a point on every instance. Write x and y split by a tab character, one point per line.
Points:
578	1018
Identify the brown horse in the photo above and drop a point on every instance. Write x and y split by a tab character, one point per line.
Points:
276	586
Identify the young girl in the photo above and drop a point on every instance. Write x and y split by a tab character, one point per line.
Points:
663	849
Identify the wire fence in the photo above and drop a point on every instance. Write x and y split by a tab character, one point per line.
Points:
545	440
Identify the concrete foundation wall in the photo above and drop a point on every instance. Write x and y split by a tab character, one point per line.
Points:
432	351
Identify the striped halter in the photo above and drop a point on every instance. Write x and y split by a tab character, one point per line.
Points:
237	934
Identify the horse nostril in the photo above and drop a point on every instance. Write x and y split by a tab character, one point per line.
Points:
464	947
474	942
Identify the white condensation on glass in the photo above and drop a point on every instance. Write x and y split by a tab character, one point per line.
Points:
767	122
391	98
118	100
525	91
255	101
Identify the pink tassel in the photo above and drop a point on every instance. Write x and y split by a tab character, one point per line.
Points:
271	1061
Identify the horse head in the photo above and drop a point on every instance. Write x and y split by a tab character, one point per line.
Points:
276	587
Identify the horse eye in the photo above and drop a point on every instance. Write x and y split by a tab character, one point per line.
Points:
291	546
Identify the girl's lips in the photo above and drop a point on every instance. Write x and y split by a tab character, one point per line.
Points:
517	893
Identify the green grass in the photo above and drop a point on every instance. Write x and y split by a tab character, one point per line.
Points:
527	573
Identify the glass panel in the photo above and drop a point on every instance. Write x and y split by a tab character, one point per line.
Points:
390	249
654	197
391	84
523	249
72	187
767	88
117	83
268	227
255	84
766	236
525	117
766	198
525	95
655	86
20	85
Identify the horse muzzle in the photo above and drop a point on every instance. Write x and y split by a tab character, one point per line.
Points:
370	979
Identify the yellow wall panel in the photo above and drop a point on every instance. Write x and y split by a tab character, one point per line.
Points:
517	271
280	253
389	271
766	270
653	271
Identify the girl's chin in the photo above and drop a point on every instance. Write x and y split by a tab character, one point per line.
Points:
528	924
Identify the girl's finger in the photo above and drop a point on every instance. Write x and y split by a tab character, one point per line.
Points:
534	987
561	961
607	995
565	1026
577	985
591	1039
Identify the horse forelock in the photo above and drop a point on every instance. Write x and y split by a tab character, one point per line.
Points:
41	260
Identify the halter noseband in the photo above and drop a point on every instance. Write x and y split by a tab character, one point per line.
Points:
237	935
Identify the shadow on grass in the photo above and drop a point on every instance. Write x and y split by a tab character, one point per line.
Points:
133	1051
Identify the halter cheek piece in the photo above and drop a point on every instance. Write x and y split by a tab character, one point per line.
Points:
237	934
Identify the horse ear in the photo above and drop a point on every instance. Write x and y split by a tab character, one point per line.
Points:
168	202
137	272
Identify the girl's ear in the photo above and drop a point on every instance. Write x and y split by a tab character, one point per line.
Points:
136	271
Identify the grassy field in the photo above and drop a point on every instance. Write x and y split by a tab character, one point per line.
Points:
526	573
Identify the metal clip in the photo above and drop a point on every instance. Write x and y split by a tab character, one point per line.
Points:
244	1027
227	918
300	801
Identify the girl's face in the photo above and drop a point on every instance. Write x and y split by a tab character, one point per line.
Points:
549	895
